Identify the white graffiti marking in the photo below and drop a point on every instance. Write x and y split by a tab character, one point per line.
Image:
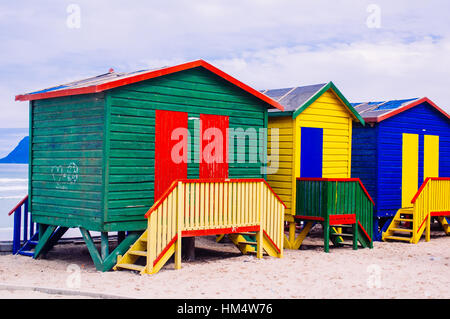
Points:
64	176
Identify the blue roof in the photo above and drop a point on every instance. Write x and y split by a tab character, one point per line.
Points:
389	105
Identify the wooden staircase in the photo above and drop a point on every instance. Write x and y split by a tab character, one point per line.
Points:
342	205
401	227
247	243
136	257
432	200
343	235
247	210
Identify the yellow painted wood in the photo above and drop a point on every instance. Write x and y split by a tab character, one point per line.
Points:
431	156
225	205
151	243
236	204
410	167
203	221
301	237
269	249
180	215
163	260
329	113
197	206
210	207
433	198
128	258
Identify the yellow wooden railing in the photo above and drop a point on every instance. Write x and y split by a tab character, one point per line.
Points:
209	207
432	199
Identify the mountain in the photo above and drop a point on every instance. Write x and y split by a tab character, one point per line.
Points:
19	154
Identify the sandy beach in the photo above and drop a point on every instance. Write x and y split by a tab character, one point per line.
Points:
390	270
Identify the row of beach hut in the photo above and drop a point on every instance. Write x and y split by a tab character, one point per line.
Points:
101	156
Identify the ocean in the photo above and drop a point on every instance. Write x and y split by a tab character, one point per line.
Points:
13	188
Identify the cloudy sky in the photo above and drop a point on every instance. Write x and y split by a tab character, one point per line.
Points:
372	50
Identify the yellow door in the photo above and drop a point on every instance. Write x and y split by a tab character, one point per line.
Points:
410	168
431	156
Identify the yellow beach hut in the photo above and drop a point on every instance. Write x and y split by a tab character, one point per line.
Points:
315	141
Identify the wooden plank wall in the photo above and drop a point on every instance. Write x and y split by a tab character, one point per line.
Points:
66	161
422	120
329	113
282	181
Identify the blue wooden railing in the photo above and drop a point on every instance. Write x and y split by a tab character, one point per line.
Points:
23	236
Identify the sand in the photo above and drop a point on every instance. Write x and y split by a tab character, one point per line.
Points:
390	270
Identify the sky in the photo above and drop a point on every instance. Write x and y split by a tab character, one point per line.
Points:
372	50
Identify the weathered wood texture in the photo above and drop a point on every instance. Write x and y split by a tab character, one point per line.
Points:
66	161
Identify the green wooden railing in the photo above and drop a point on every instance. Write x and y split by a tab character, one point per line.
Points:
338	200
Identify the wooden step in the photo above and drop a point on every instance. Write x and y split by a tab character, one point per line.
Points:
349	243
28	253
398	238
131	267
142	253
342	235
404	220
402	230
247	243
247	234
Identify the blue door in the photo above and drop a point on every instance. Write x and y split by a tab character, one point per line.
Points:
311	152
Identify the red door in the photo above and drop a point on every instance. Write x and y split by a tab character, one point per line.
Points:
170	149
213	146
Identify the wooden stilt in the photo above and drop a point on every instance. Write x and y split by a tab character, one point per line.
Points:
259	244
326	235
355	236
43	239
104	245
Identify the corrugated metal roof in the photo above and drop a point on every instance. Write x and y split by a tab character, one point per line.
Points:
113	80
95	80
294	97
370	110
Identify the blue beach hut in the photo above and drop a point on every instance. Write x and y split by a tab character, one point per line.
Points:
403	143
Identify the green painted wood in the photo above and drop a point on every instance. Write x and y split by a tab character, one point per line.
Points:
66	160
355	236
43	240
121	249
104	245
95	255
365	243
72	221
325	198
326	235
30	157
